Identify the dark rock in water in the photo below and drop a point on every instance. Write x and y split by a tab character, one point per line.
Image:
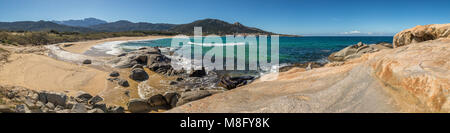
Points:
192	96
87	62
138	106
138	74
114	74
172	98
310	65
123	83
234	82
95	100
83	97
198	73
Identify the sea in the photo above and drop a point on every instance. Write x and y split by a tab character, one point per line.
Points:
291	49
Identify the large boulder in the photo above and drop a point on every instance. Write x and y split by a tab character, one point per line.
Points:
79	108
55	98
355	51
157	101
138	74
421	33
172	98
135	57
198	73
139	106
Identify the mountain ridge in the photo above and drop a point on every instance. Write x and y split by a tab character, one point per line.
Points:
210	26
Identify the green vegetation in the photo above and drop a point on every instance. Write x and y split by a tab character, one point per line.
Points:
52	37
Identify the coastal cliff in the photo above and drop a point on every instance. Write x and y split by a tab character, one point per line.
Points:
412	77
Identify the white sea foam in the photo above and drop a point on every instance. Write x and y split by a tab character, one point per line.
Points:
216	44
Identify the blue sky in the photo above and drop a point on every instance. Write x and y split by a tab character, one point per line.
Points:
302	17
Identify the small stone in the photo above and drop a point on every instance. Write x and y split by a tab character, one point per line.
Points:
123	83
87	62
116	109
114	74
96	110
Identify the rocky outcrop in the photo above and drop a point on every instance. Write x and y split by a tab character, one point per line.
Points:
229	83
150	57
411	78
421	33
355	51
23	100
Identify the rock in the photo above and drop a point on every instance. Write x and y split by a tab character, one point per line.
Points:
95	110
22	108
114	74
198	73
421	33
138	66
50	105
79	108
113	79
355	51
64	111
59	108
67	45
127	93
138	106
301	65
95	100
42	96
172	98
138	74
101	106
234	82
173	83
56	98
157	101
6	109
135	57
82	97
87	62
70	104
116	109
123	83
122	54
192	96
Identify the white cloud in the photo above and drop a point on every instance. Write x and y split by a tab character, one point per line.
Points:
352	32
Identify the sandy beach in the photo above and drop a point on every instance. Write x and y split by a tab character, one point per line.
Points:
28	67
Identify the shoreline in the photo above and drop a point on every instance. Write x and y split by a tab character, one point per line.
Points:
83	46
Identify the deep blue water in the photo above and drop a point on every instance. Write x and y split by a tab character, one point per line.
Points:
292	49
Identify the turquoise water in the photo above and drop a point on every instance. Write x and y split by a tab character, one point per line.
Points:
291	49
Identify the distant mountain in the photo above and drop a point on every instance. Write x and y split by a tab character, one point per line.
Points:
215	26
124	25
81	23
210	26
40	26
